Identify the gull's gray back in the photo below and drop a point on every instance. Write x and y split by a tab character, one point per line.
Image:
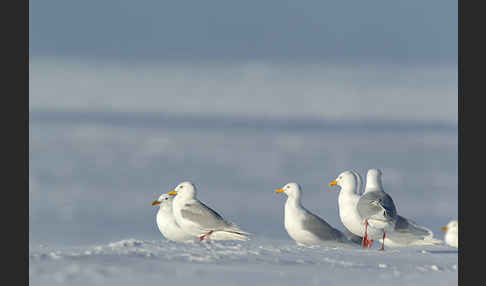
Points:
322	229
203	215
366	209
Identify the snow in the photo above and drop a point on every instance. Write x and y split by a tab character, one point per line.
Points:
260	261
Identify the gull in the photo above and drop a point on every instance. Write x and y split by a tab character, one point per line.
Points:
349	195
303	226
166	221
405	231
199	220
379	213
451	233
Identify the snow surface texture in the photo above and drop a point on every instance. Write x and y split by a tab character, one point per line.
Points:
93	174
257	262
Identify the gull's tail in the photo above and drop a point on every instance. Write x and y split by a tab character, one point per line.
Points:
232	232
425	240
407	232
228	235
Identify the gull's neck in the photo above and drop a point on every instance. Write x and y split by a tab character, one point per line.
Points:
348	197
185	198
373	184
350	189
166	207
294	202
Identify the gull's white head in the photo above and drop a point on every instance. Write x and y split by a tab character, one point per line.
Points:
453	225
374	179
185	189
292	190
163	200
347	180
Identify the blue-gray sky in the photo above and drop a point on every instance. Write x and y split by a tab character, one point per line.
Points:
409	31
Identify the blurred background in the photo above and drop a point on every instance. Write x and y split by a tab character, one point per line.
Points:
129	98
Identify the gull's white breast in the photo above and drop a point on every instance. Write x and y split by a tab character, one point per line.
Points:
348	212
168	226
293	221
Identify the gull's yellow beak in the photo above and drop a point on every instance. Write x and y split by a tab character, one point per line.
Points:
279	190
444	227
156	202
332	183
172	192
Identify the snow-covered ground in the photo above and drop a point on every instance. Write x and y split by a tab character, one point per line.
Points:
93	172
256	262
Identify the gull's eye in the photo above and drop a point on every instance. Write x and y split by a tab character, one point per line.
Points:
181	187
340	177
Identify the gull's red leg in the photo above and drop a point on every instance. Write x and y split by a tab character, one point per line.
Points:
365	241
204	235
369	242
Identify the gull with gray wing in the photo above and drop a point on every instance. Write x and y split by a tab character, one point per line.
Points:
166	221
350	183
305	227
405	232
199	220
377	209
